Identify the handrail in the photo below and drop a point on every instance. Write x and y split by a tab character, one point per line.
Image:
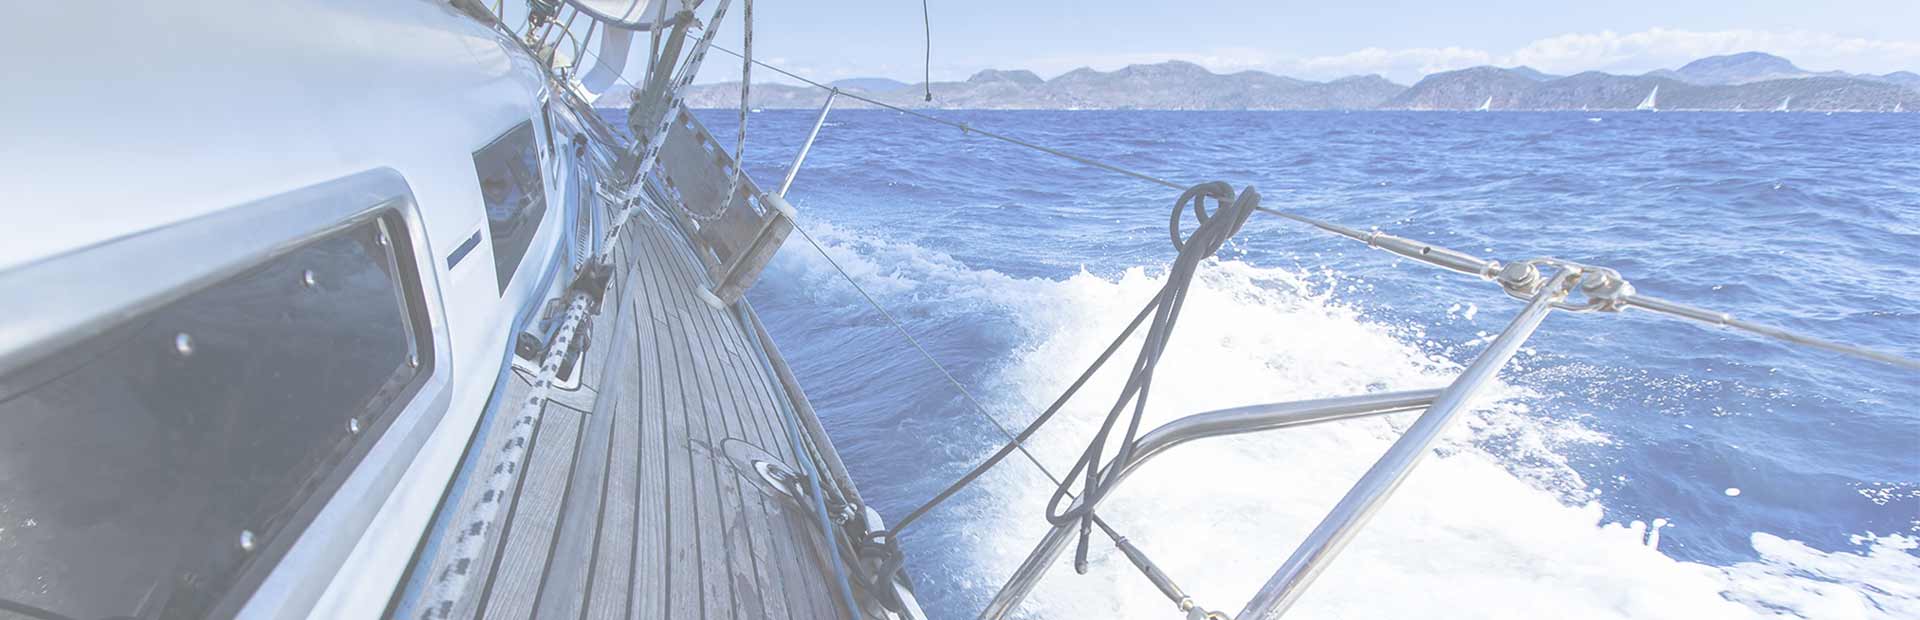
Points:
1366	496
1234	421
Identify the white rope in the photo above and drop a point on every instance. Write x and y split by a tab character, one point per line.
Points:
746	85
474	526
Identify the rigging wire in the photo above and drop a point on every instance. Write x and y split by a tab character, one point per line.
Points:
926	62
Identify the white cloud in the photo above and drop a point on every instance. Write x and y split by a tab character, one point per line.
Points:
1662	48
1401	64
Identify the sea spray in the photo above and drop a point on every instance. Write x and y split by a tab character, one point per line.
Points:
1507	531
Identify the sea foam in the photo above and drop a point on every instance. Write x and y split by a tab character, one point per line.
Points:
1473	532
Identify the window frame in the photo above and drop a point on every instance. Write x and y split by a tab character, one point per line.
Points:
108	285
533	213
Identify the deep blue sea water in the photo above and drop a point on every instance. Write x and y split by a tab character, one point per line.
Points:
1789	479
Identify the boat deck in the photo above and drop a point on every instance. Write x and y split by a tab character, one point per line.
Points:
629	505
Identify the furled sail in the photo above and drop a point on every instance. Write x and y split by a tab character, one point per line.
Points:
620	19
632	14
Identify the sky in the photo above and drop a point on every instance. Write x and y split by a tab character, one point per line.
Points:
835	39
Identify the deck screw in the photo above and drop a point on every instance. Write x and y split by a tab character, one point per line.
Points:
246	540
307	279
353	426
413	361
381	238
183	344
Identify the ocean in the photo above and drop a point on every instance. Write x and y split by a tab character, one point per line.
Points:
1784	481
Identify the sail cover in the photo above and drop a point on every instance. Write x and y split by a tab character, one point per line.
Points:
632	14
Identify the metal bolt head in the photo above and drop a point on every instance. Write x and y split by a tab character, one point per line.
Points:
353	426
380	237
307	279
413	361
1522	276
246	540
183	344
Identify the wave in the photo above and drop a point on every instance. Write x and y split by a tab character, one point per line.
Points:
1495	525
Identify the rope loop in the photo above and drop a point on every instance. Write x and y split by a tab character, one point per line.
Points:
1223	196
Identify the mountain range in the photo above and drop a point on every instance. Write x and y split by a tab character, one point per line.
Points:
1745	81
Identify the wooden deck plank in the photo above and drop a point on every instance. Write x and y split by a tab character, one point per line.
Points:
682	597
486	457
613	557
800	524
564	587
710	561
781	597
608	588
628	505
805	593
654	546
530	529
750	599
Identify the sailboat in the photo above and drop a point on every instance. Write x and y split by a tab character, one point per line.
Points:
1739	108
398	325
1651	102
1896	107
1485	105
1784	103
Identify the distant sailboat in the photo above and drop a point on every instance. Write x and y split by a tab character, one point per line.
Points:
1485	105
1896	107
1739	108
1650	104
1783	104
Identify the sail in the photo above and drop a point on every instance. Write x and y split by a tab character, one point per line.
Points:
640	15
1784	103
1485	105
1651	101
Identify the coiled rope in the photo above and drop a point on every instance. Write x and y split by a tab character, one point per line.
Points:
1214	230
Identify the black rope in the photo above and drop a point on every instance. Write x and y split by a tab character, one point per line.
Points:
1214	229
926	62
1213	232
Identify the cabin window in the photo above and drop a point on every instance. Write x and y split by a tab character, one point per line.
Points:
516	199
159	468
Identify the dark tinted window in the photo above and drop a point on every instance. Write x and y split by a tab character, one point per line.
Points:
159	468
516	200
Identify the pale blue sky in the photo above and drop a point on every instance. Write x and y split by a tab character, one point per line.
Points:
835	39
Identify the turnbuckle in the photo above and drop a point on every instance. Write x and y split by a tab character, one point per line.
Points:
1603	289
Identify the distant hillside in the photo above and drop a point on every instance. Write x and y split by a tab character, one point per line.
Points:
1467	89
870	84
1745	81
1172	85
